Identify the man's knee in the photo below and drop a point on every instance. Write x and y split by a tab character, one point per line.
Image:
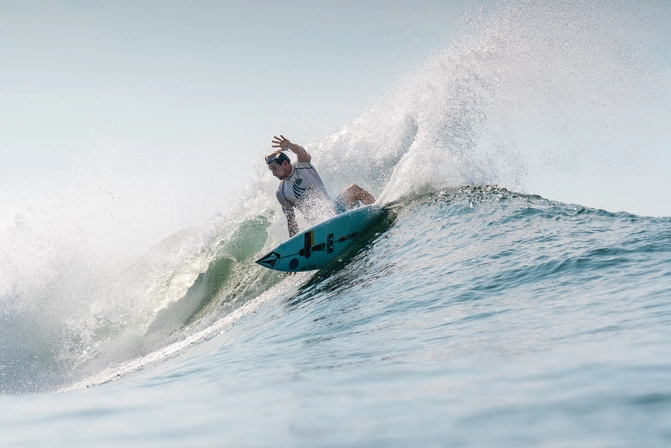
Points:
349	194
355	193
352	189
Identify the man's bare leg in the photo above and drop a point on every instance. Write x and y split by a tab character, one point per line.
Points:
354	193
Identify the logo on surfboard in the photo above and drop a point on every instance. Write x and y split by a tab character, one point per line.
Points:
309	245
269	260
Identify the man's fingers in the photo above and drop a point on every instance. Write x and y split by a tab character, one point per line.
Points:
281	142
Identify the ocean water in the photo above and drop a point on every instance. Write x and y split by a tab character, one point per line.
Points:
475	314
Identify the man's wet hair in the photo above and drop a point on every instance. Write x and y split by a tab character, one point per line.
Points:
277	156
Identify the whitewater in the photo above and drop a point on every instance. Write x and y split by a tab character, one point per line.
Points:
477	313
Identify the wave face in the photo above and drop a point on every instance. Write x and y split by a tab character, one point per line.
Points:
493	307
472	299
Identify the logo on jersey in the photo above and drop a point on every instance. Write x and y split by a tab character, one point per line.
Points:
298	190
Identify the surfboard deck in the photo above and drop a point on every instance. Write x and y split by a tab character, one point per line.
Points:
313	248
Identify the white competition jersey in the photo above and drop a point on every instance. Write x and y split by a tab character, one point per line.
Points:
302	189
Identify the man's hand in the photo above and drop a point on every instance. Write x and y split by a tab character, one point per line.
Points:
285	145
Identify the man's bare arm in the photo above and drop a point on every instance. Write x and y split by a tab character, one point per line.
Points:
285	145
291	221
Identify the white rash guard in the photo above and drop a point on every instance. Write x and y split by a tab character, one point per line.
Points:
303	190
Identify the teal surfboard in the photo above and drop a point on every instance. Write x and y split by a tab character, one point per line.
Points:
316	246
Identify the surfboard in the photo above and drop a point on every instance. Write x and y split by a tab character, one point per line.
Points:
315	247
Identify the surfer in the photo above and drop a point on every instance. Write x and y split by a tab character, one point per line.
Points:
302	188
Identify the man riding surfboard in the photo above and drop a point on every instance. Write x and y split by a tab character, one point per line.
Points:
302	188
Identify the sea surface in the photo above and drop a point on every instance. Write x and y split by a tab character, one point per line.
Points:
476	316
474	313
